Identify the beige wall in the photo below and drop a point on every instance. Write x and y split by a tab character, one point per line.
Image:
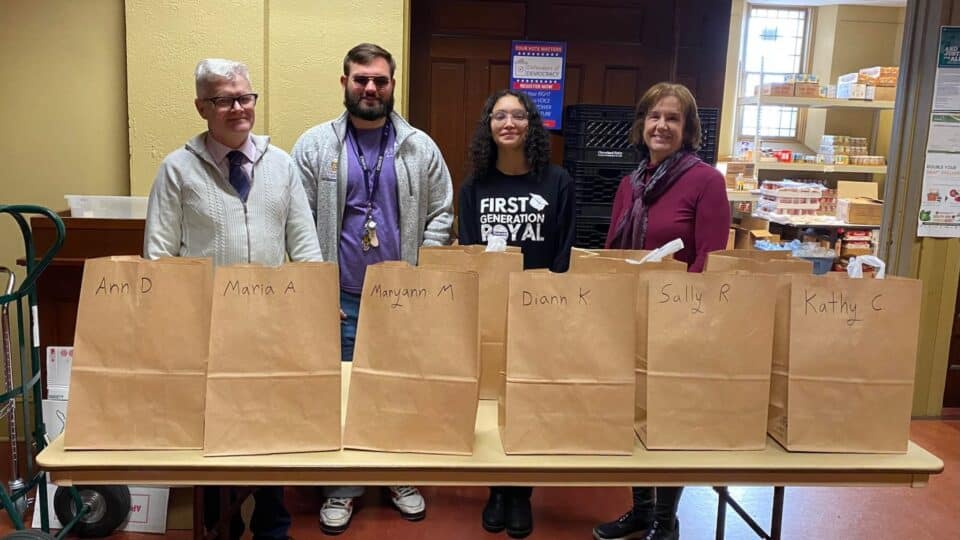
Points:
865	37
730	80
294	49
63	105
72	74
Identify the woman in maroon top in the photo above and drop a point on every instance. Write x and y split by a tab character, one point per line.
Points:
672	194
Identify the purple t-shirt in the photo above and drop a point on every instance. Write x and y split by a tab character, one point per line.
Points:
353	260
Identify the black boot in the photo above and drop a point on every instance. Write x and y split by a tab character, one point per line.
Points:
665	531
519	516
494	513
634	524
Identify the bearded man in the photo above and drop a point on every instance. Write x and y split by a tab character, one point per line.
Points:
378	189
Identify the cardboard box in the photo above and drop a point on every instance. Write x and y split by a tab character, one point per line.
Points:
751	223
885	93
806	89
59	362
880	75
855	252
860	211
148	505
745	239
850	78
148	510
777	89
851	91
852	190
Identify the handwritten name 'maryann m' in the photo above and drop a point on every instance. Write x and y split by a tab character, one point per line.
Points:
396	295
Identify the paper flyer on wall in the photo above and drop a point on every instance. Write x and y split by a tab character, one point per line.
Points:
939	214
940	202
946	95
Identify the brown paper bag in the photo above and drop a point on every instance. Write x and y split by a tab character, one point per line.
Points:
598	264
846	382
570	357
493	270
273	380
415	379
577	255
782	264
707	361
140	355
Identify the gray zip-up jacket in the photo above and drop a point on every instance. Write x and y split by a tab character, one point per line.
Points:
193	211
424	189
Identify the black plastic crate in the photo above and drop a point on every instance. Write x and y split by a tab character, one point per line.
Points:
591	233
628	155
597	183
709	133
583	118
599	133
594	211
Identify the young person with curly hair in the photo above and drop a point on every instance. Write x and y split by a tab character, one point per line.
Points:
514	192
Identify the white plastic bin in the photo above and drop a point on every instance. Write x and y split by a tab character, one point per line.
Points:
107	206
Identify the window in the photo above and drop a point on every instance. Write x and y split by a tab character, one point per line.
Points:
775	45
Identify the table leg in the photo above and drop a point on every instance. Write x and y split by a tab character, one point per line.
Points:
198	529
776	519
721	511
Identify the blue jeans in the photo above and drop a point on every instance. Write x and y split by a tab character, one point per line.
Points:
350	304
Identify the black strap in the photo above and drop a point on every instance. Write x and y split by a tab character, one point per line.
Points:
384	137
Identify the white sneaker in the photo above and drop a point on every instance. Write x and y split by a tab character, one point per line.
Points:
335	514
409	502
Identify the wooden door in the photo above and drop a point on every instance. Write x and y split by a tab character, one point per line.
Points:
616	49
951	392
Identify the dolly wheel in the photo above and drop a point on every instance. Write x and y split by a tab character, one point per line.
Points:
109	507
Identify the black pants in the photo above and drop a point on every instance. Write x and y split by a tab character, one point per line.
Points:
270	519
658	503
517	492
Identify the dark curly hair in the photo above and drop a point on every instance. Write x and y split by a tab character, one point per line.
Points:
483	151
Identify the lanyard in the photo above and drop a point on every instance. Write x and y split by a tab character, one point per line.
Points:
384	137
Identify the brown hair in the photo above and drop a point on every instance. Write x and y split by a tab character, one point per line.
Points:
365	53
691	120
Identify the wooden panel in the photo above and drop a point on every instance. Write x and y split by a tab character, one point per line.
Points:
474	18
499	77
589	23
448	88
616	49
620	86
951	391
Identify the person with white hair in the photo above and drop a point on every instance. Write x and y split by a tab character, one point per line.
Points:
230	195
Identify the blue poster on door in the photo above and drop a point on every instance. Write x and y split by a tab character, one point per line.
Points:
536	68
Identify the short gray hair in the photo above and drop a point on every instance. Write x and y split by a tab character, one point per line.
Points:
209	70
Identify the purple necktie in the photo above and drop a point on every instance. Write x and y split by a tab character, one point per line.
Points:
238	177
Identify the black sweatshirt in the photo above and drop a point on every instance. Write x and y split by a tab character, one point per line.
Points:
536	214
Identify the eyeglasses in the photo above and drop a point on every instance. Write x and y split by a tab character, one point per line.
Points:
225	103
518	116
363	81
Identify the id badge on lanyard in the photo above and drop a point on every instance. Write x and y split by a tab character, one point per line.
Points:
368	238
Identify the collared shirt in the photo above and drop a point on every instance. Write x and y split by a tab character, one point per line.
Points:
219	153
